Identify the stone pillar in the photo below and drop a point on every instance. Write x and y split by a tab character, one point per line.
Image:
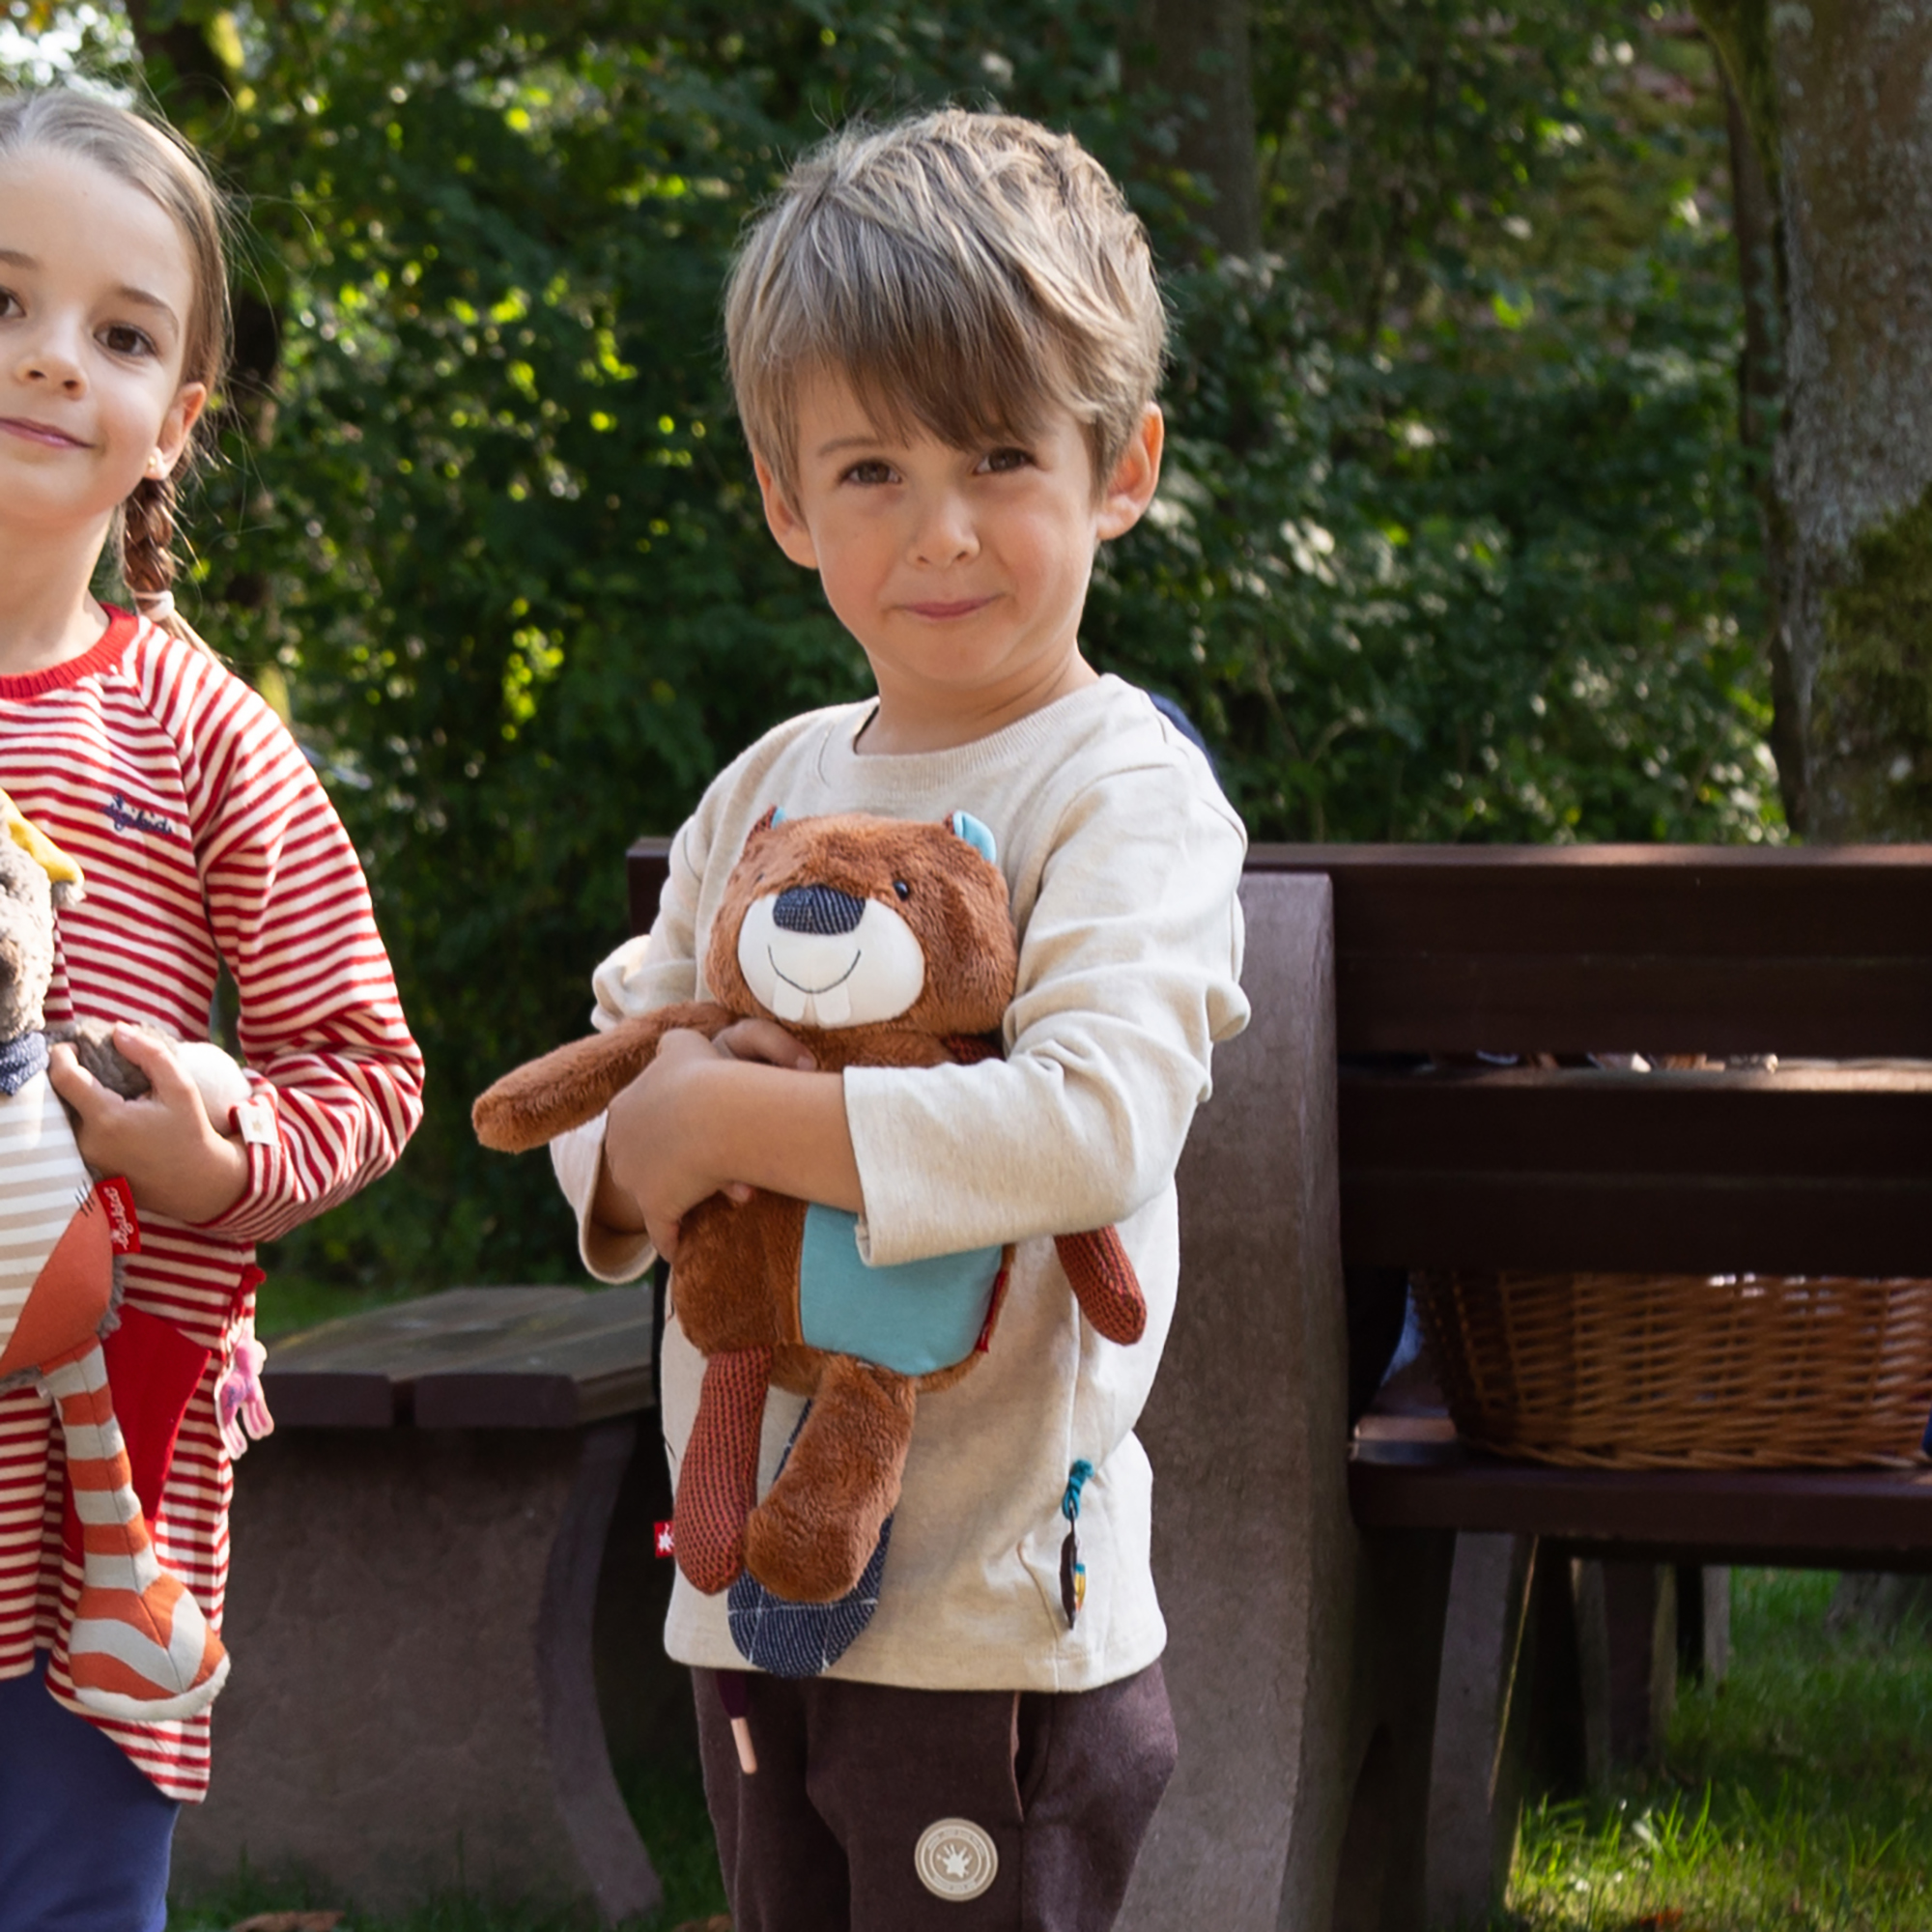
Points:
413	1707
1302	1653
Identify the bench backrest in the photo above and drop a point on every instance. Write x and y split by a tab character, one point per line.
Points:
1818	955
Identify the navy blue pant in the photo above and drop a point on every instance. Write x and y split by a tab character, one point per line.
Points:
84	1836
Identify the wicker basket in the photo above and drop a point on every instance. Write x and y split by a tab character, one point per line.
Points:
1688	1372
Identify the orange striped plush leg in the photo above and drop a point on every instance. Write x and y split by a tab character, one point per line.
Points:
140	1647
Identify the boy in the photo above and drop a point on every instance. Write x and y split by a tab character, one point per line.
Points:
944	340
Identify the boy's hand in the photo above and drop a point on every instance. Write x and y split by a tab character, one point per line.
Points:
747	1110
654	1144
163	1144
766	1042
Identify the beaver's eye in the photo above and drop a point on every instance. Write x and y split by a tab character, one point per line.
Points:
903	889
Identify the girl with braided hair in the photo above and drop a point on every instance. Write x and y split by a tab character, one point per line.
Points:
204	841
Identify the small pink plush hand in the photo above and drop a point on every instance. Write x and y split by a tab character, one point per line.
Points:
240	1404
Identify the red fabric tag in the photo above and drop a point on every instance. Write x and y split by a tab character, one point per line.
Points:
124	1225
666	1545
986	1340
152	1371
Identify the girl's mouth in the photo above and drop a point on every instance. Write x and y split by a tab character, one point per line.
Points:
43	434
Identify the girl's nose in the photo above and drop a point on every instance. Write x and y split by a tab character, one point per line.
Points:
51	361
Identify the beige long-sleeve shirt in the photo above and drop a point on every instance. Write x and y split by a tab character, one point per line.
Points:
1122	859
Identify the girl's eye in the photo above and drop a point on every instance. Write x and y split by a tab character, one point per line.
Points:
903	889
999	461
125	339
10	303
872	470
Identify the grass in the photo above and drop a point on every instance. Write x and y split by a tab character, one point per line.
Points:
1796	1795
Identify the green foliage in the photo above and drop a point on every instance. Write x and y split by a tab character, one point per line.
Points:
1454	541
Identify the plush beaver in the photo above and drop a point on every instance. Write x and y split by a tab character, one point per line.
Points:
876	943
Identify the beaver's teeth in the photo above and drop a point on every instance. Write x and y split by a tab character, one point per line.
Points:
790	1002
833	1008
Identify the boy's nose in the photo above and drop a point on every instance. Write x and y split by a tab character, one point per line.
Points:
819	909
946	533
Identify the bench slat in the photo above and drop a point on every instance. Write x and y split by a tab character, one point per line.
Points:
1799	1172
1820	1519
471	1357
1663	949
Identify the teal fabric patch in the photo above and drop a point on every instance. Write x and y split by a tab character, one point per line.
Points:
913	1318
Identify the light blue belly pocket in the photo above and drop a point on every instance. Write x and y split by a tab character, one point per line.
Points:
914	1316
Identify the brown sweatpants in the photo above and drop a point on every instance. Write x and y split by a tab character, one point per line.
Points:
851	1778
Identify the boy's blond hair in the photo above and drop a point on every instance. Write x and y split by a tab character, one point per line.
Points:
964	273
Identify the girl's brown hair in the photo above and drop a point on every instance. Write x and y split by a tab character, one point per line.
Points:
148	156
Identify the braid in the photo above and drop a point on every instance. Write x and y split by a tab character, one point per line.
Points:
148	564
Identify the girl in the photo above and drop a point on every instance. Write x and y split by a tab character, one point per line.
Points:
204	839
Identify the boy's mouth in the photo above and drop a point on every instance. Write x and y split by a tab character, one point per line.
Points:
939	613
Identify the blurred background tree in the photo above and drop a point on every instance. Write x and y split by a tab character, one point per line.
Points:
1459	537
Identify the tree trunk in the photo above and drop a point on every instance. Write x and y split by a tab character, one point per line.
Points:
1838	97
1197	52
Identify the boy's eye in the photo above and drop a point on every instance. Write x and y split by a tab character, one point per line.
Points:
872	470
122	338
999	460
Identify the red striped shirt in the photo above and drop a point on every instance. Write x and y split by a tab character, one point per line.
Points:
205	839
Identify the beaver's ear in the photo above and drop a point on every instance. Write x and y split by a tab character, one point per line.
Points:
965	826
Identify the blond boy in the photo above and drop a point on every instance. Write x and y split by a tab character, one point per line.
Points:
946	339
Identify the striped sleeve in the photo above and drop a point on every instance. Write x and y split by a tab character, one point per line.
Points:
289	909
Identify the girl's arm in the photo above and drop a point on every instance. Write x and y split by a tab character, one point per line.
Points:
338	1080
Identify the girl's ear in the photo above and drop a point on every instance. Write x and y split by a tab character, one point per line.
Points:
782	520
176	426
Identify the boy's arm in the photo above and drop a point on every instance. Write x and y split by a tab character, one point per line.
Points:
1130	973
657	969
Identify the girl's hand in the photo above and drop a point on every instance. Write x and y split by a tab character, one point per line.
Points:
163	1144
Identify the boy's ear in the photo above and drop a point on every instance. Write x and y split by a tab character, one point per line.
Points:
783	521
1136	476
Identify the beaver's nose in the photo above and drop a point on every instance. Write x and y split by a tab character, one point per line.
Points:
820	909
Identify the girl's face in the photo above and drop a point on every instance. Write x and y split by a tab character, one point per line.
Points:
96	295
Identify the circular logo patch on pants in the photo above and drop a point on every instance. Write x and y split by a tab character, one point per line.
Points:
955	1859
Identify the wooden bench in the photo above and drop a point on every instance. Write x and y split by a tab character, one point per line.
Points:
428	1644
1818	956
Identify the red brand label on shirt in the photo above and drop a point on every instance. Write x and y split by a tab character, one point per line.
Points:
124	1226
664	1543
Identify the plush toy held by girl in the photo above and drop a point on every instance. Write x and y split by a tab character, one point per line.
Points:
204	841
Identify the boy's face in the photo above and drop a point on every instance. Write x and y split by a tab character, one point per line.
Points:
962	573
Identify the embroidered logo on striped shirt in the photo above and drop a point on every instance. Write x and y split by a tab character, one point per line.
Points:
125	817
